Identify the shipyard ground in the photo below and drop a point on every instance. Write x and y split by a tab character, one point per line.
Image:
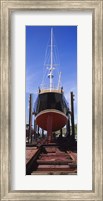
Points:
55	158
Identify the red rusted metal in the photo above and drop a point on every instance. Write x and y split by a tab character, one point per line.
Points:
58	120
72	155
52	160
49	128
30	152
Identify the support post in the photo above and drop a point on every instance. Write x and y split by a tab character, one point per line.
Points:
30	119
68	127
42	133
61	132
72	115
38	130
35	129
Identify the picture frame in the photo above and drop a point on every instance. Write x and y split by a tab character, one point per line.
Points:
7	7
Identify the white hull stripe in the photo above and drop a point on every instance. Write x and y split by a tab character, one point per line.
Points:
52	110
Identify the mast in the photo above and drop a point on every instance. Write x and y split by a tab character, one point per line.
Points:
50	75
51	68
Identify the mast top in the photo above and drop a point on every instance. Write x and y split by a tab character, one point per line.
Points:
51	66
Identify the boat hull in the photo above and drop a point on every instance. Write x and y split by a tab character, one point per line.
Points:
51	107
58	119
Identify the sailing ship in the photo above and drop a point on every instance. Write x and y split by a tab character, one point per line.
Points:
51	108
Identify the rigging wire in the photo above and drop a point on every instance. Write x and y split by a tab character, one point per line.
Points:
47	63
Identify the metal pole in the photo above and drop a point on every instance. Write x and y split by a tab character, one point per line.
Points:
42	133
68	127
30	118
61	132
72	115
51	68
28	136
38	131
35	129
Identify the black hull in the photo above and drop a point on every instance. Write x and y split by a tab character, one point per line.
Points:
51	105
51	100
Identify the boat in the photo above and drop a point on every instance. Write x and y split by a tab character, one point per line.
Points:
51	108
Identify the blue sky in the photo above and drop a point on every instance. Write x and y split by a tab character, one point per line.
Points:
65	39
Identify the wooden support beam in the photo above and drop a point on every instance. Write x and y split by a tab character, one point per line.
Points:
30	119
72	115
